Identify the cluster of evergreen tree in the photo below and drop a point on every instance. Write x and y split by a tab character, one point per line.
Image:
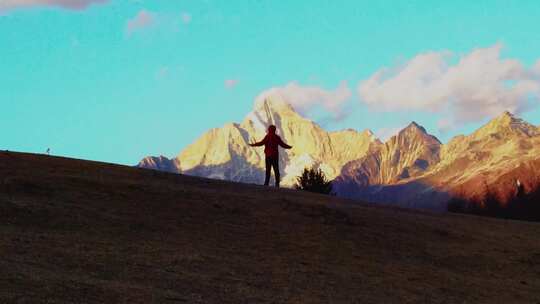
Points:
521	206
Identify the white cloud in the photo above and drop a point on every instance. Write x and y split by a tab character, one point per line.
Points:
444	125
479	85
305	98
186	18
230	83
162	72
69	4
141	20
536	68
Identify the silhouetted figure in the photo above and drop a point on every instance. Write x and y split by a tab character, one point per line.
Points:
271	144
48	151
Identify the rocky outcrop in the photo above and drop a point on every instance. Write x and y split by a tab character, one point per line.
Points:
410	153
160	163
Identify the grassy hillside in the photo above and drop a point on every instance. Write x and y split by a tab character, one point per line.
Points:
86	232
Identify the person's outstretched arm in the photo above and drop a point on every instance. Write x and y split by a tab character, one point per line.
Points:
284	145
260	143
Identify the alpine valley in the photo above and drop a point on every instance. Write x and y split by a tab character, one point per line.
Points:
411	169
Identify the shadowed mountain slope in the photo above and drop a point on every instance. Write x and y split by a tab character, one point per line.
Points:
81	231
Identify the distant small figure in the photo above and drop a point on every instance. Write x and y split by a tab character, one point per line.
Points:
520	189
48	151
271	144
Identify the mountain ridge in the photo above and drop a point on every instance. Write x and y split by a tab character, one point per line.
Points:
412	162
468	167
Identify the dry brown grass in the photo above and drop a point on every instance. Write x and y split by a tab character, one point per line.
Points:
75	231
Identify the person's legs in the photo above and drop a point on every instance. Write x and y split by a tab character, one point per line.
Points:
268	167
275	164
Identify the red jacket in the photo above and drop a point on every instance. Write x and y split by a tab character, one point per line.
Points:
271	142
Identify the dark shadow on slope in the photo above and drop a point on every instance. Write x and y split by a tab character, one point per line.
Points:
521	205
415	194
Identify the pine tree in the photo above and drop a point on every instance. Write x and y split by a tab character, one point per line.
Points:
313	180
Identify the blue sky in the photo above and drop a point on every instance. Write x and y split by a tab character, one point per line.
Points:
119	80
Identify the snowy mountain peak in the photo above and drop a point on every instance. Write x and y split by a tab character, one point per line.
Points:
506	119
507	122
271	108
161	163
225	152
369	134
414	127
414	130
272	102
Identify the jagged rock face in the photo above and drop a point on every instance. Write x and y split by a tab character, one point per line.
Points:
408	154
382	175
471	164
224	153
492	158
312	146
160	163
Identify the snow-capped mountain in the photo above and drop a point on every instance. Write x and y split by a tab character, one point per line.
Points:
224	152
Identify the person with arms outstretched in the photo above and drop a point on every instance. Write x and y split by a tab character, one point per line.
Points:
271	144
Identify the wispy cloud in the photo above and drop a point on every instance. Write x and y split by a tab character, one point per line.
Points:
444	125
163	72
385	133
186	17
68	4
481	84
305	98
230	83
141	20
